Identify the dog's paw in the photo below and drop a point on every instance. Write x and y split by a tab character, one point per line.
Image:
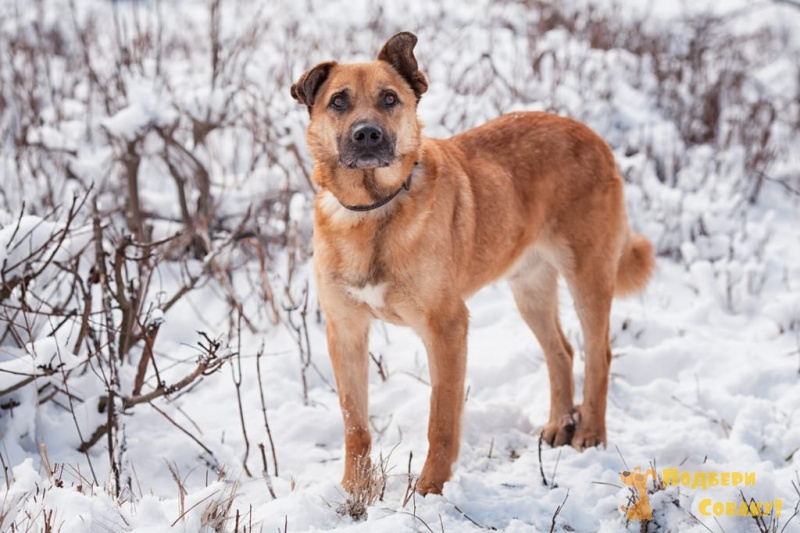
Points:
588	434
560	432
428	486
433	477
587	439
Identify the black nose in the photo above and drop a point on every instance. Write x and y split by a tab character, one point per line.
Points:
366	135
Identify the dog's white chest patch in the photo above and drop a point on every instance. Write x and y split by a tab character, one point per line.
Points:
372	295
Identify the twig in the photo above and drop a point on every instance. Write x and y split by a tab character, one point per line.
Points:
265	471
185	432
181	491
236	374
149	333
553	477
541	466
379	363
264	410
411	487
619	452
414	515
558	510
465	515
203	368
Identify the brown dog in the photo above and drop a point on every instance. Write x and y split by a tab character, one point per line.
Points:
407	227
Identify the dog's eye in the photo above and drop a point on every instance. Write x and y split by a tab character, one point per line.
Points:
389	100
338	102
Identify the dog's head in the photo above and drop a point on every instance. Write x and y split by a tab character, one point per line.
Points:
364	116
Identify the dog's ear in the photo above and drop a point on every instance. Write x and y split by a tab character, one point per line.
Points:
305	89
399	52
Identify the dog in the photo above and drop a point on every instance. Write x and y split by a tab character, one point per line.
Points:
407	227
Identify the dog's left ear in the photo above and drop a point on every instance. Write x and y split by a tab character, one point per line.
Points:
399	52
305	89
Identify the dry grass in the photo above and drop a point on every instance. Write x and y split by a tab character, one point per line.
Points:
357	502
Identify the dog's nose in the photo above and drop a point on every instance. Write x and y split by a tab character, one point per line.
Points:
366	135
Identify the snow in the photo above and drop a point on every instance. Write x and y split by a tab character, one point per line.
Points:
706	360
22	238
150	105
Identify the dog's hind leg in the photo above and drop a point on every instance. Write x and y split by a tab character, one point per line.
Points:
535	288
592	286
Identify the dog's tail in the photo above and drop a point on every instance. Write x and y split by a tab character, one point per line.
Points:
635	266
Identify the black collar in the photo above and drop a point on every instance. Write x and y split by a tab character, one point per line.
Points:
382	202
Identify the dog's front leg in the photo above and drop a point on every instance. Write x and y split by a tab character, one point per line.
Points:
347	344
445	336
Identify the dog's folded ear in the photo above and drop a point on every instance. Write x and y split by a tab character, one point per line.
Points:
305	89
399	52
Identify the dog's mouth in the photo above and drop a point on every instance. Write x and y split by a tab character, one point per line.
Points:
364	161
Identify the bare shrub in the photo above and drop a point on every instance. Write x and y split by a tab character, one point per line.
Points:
124	175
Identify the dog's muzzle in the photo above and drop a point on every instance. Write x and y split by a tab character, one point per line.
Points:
366	146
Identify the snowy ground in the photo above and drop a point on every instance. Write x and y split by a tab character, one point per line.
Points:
706	373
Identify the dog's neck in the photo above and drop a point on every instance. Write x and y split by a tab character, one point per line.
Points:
383	201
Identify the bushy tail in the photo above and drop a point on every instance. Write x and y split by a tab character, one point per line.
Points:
635	266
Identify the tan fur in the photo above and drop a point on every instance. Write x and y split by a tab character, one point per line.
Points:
527	195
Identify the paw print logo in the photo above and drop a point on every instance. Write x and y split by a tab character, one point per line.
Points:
640	510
